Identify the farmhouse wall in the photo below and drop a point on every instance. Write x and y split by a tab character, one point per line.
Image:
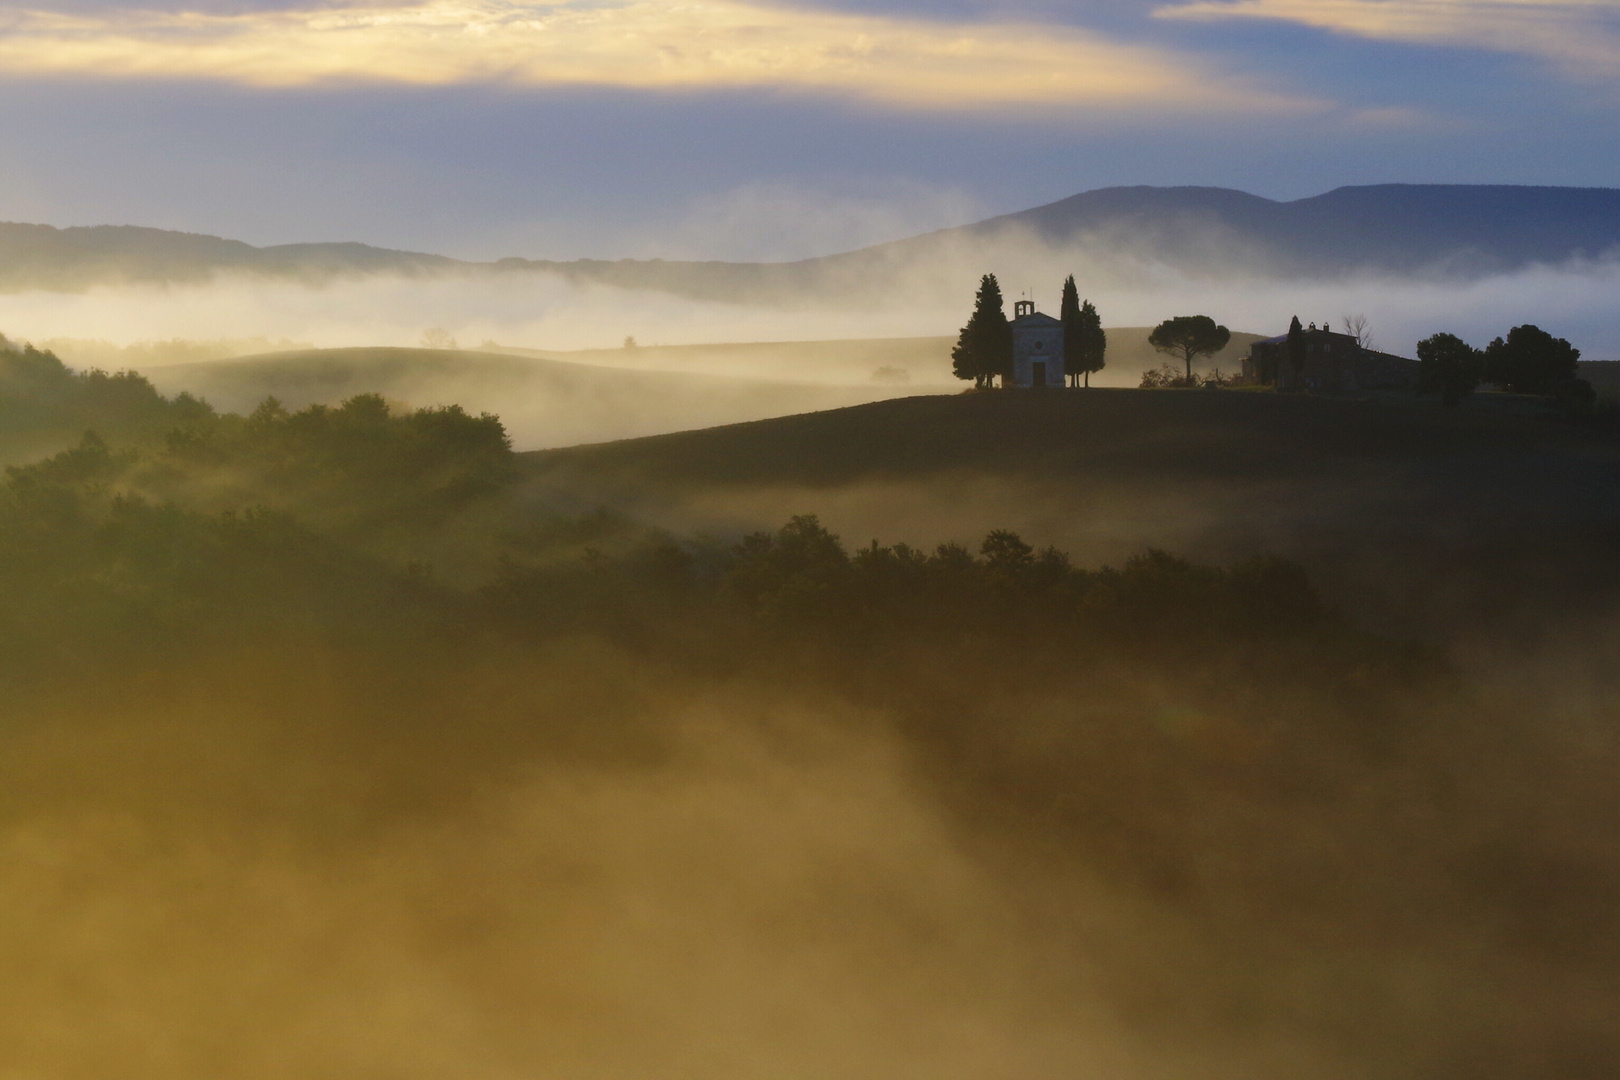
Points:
1333	362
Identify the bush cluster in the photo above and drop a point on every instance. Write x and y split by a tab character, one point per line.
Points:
884	609
38	393
1170	377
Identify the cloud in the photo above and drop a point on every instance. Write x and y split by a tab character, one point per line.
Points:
663	45
1581	37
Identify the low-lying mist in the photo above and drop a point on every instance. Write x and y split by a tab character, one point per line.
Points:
585	858
566	363
755	884
533	310
546	312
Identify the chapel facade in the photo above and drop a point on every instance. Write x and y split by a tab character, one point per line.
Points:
1037	350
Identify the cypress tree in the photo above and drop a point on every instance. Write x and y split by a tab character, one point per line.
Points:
1069	316
984	347
1093	341
1296	349
1084	342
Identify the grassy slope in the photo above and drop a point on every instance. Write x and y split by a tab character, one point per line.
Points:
543	402
555	399
926	360
1406	509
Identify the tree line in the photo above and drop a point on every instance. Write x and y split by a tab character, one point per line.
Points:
1529	360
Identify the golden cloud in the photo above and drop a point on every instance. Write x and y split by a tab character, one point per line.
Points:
1581	36
644	44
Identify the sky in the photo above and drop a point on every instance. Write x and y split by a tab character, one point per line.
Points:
766	128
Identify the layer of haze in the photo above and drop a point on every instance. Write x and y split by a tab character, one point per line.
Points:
549	357
545	313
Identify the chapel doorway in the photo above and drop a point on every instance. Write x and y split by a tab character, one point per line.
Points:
1037	373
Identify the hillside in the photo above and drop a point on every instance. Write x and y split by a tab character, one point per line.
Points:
1457	231
543	402
925	362
919	361
1411	511
549	399
363	740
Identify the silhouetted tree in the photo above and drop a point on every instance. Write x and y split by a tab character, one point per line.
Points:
791	573
1006	551
984	347
1084	341
1069	316
1358	327
1448	366
1296	348
1189	336
1530	361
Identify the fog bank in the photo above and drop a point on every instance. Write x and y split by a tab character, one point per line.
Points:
543	311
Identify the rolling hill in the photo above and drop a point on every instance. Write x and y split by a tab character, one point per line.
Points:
1407	512
352	744
1458	231
920	362
543	402
549	399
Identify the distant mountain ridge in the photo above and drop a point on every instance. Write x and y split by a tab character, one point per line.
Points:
1456	231
1380	228
45	257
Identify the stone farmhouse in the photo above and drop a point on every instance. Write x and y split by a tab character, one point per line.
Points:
1334	362
1037	349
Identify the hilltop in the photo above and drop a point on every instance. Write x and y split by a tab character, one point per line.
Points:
549	399
924	362
1415	511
